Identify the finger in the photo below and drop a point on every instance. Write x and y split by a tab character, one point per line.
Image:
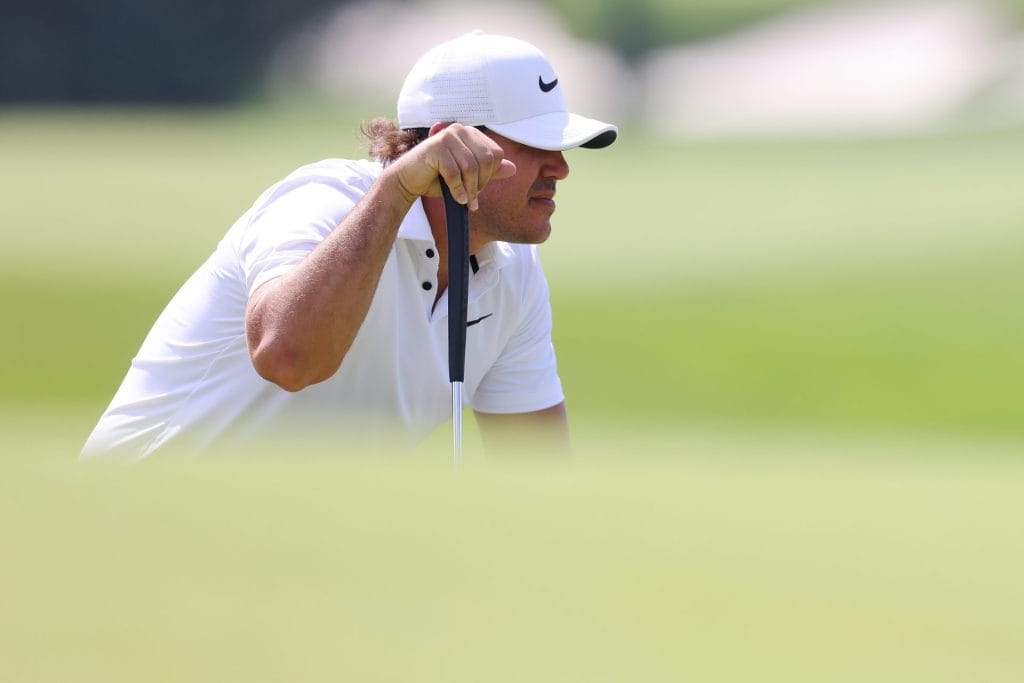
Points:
490	160
470	162
485	164
471	167
451	169
498	170
446	155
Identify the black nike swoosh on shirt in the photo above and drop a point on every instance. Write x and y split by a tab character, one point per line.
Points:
470	323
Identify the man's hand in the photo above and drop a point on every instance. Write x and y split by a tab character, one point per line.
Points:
465	157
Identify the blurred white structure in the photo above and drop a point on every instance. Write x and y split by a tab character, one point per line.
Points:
851	68
363	51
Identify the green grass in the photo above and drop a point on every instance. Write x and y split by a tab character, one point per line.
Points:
925	351
139	195
73	341
728	212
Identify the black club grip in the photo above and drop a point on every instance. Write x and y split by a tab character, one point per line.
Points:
457	222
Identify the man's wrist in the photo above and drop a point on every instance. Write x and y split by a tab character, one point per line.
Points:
393	186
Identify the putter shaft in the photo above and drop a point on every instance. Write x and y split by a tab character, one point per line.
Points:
457	420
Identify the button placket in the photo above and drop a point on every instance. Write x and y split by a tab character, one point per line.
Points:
428	284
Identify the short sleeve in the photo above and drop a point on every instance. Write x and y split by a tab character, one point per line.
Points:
525	376
290	221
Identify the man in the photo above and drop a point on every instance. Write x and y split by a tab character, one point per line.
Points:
324	306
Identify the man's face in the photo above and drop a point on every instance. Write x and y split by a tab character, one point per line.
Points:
518	209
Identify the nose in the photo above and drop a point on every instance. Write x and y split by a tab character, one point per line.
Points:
555	166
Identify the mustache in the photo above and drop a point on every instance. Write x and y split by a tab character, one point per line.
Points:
545	185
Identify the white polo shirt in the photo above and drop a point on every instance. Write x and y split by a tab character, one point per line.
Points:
193	385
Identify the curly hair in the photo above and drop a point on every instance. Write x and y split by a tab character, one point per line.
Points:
387	141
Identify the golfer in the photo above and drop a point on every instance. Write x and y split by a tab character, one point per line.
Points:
323	310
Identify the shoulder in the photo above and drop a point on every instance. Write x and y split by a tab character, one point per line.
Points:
308	202
349	177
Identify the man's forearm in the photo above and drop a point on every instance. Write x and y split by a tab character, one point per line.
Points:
301	325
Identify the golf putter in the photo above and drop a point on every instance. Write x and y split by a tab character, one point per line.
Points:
457	222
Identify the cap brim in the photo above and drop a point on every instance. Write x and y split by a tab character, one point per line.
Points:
558	131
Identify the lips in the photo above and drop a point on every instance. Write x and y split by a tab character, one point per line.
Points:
546	201
544	193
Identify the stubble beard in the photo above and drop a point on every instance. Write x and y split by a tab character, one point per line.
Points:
510	230
527	225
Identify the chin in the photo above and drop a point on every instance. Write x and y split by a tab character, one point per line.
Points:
523	232
538	236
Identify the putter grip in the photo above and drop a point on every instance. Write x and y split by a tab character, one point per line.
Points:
457	222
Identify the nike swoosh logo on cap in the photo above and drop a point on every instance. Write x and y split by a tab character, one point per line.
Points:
474	322
546	87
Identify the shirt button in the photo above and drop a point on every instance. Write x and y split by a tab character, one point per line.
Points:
428	286
430	253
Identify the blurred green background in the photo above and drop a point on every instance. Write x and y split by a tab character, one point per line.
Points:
794	376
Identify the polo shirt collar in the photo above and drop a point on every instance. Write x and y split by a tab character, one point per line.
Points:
417	227
498	253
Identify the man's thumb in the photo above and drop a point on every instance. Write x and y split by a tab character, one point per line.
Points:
506	170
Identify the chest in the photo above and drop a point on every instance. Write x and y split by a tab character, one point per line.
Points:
405	334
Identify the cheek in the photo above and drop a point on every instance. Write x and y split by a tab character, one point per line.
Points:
501	195
508	190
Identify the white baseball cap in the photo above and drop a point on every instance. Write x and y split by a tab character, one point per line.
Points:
502	83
